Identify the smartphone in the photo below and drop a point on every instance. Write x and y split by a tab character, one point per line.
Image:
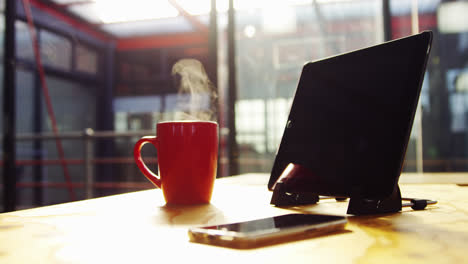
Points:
266	231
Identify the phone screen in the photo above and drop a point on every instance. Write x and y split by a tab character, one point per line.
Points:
260	232
276	222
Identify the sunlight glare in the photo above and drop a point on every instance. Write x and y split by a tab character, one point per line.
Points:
201	7
113	11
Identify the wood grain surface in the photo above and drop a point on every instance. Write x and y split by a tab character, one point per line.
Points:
139	228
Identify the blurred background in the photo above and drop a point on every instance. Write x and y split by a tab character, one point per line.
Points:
82	80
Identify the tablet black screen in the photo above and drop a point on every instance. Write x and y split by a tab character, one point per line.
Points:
351	118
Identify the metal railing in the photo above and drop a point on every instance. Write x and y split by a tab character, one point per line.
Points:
87	136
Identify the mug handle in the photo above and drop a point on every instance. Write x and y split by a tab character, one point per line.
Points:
141	164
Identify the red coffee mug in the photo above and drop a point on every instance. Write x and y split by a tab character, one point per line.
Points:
187	153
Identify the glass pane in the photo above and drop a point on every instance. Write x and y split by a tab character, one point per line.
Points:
74	105
86	60
24	48
273	43
402	15
439	142
25	149
55	50
444	119
75	110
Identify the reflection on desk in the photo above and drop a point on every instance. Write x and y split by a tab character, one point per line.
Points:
138	228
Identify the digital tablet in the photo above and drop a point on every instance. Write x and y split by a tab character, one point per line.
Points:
351	118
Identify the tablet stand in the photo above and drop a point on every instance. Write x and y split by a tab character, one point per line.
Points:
281	197
363	206
288	191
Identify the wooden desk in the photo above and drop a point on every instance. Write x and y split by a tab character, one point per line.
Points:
138	228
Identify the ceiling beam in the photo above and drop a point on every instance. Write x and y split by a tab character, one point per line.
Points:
197	24
161	41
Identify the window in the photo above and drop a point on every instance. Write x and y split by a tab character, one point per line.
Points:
86	60
24	48
270	54
55	50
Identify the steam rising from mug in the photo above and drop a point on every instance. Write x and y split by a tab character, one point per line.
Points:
196	94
